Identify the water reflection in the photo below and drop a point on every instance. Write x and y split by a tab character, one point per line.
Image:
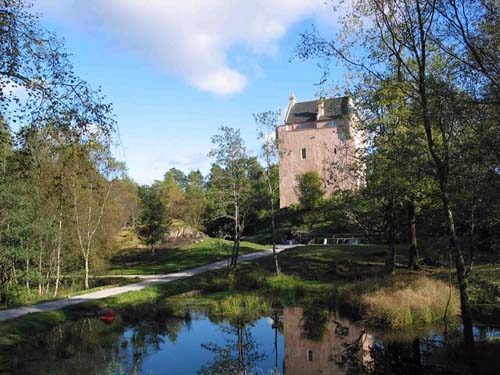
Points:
238	355
315	338
310	340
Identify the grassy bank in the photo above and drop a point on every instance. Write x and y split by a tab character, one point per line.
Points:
139	261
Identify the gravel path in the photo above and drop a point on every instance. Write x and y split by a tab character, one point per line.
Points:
147	280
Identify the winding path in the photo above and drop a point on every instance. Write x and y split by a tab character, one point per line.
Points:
147	280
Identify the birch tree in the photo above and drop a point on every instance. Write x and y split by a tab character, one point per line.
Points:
230	189
267	123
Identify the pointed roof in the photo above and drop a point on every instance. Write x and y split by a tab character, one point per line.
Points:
307	111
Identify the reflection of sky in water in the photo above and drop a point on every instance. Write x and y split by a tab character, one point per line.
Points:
186	355
481	332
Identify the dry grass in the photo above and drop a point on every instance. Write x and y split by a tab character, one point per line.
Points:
403	300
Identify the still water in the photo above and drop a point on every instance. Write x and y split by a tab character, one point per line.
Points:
293	341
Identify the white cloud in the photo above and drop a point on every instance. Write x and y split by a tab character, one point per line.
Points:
190	38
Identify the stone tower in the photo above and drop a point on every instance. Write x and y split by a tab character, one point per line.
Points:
319	135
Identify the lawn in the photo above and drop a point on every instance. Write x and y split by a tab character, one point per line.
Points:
139	261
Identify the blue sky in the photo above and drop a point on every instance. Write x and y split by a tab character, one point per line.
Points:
175	73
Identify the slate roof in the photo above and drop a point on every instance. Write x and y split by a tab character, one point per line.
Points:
306	111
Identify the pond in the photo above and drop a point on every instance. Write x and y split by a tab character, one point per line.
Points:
297	341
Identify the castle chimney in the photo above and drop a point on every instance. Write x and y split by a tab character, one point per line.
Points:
321	108
291	103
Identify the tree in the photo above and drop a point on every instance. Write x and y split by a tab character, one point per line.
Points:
267	123
33	60
310	190
195	198
177	176
171	193
152	223
91	184
231	189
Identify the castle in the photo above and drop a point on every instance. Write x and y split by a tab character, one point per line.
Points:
320	135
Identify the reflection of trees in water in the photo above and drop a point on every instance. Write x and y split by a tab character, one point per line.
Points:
277	328
89	346
314	322
418	356
81	347
239	354
146	337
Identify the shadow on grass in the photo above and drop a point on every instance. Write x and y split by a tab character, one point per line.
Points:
173	259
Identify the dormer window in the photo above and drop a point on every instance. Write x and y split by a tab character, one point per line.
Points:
307	125
332	123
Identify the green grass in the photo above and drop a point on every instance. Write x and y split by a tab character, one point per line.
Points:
66	291
138	261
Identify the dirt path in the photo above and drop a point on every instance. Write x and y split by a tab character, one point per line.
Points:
147	280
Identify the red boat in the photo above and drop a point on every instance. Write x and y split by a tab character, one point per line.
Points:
108	315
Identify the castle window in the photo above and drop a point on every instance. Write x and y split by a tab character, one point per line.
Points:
335	150
332	124
307	125
309	355
304	155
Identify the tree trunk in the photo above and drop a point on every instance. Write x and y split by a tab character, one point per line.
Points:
236	251
275	327
412	229
27	279
40	273
391	253
241	360
391	257
58	255
273	228
442	166
86	277
236	243
461	272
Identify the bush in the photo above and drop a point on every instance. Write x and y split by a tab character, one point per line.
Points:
12	295
248	280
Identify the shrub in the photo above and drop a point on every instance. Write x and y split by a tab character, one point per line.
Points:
13	295
402	300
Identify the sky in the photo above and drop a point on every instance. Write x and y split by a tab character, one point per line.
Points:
176	71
